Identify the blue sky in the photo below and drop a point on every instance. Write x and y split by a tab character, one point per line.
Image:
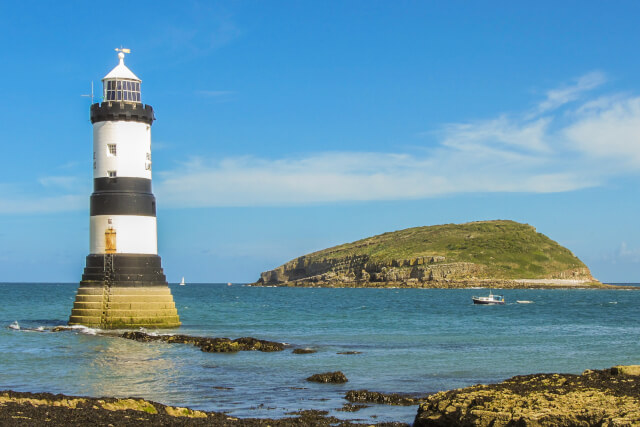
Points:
287	127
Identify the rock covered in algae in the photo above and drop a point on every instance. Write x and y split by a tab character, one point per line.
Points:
381	398
596	398
304	351
209	345
336	377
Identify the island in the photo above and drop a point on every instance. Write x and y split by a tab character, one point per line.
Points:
499	254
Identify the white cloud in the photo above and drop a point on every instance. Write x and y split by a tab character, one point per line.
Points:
502	131
566	94
53	194
552	150
625	254
563	147
65	182
38	205
609	131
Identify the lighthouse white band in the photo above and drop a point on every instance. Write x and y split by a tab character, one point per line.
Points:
134	234
122	148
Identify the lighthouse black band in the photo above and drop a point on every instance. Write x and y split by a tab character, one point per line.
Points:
129	270
122	185
121	111
138	204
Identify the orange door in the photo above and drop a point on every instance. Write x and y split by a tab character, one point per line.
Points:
110	241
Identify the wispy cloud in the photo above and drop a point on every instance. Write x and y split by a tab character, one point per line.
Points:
609	132
195	29
39	205
554	149
558	97
571	142
64	182
50	194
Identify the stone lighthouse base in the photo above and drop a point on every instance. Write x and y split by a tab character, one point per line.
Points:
121	291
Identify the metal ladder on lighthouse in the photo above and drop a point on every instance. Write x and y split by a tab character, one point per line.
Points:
109	279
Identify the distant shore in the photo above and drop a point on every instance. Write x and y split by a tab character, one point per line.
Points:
460	284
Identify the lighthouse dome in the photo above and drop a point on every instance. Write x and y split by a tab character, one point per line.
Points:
121	84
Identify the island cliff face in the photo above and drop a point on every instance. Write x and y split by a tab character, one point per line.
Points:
486	253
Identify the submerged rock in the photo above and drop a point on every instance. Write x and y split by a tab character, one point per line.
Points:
209	345
304	351
350	407
381	398
328	377
595	398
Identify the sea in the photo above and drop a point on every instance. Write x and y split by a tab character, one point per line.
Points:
415	341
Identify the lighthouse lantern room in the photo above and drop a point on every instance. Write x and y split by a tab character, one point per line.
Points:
123	284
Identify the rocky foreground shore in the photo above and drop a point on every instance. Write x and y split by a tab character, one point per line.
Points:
596	398
36	409
600	398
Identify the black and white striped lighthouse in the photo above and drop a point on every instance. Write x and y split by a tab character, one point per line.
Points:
123	284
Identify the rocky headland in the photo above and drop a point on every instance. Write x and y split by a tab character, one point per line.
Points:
499	254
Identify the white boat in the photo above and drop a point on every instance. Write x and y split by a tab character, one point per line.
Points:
182	282
490	300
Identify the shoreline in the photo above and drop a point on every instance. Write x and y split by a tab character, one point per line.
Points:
596	397
27	408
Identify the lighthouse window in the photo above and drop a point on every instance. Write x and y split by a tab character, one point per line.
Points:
122	90
112	149
112	174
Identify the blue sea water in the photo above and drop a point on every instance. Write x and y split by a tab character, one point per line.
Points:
411	340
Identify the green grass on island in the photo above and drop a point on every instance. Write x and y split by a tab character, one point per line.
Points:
507	249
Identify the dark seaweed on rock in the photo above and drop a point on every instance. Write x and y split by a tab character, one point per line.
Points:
381	398
209	345
328	377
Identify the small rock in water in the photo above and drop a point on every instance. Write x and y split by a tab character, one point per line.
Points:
349	352
350	407
328	377
304	351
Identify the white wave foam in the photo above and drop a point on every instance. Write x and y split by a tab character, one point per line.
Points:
15	326
85	329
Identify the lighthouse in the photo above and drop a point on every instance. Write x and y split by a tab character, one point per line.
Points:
123	285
